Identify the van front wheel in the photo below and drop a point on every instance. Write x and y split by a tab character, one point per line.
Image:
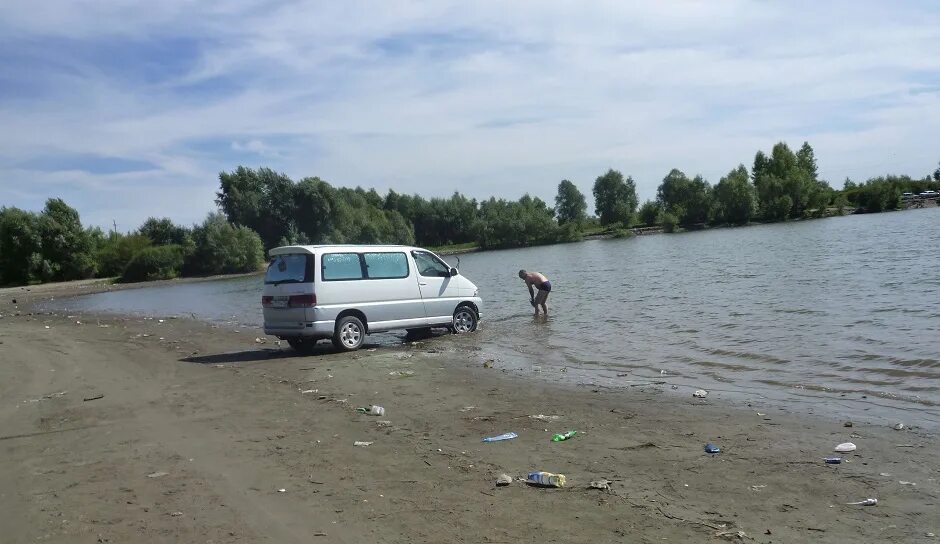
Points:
350	333
465	320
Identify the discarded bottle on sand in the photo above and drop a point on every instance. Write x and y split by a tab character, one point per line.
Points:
500	438
833	460
546	479
563	436
371	410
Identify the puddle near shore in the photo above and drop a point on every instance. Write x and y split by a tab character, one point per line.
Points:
835	316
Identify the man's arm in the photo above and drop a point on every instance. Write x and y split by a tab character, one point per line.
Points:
531	292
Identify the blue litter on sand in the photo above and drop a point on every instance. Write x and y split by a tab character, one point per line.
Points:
711	448
833	460
504	436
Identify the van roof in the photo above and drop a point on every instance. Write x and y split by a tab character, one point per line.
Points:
283	250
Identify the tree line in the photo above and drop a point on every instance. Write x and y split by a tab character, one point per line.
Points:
52	245
261	209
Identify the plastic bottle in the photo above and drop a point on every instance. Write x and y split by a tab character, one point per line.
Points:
504	436
371	410
546	479
563	436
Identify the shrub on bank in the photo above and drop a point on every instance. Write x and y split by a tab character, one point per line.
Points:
670	222
154	263
222	248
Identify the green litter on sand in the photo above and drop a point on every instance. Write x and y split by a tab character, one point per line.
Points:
563	436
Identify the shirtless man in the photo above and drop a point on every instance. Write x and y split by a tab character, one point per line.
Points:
542	284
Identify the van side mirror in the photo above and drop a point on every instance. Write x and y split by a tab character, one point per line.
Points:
453	272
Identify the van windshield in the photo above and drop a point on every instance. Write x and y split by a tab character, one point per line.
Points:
287	269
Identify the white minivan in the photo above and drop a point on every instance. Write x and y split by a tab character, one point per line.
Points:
345	292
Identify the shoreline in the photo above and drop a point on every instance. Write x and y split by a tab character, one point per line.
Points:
228	420
105	284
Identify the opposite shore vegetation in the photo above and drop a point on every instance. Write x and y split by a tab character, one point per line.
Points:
261	209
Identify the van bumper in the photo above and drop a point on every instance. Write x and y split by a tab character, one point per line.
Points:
312	329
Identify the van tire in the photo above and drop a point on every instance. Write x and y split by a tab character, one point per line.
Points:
465	320
349	334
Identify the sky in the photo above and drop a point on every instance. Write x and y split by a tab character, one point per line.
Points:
129	110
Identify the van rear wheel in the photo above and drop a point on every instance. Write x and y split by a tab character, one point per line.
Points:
465	320
350	333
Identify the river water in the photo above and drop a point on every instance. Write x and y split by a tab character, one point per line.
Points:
837	316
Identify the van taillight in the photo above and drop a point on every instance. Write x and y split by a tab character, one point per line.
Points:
302	301
267	302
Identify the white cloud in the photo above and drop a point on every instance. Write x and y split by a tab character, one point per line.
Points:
485	98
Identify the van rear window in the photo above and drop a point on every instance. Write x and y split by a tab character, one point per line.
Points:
292	268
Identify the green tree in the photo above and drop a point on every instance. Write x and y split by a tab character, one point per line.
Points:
819	198
690	200
735	198
19	242
936	175
163	232
670	222
516	224
774	179
790	174
314	206
222	248
67	248
881	193
650	213
806	161
116	250
154	263
570	205
262	200
615	198
780	207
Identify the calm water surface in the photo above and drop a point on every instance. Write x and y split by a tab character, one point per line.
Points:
837	316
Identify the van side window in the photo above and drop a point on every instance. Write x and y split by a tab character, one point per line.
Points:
430	266
385	266
341	266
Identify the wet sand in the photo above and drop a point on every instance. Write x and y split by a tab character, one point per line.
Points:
197	428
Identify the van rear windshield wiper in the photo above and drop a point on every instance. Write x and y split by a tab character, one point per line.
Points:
291	280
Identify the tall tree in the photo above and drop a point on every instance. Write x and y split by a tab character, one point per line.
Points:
570	205
615	198
650	212
735	198
690	200
314	206
163	232
67	248
19	243
786	174
262	200
806	161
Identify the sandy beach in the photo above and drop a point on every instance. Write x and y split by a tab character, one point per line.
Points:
124	429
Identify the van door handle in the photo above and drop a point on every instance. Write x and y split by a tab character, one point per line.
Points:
422	283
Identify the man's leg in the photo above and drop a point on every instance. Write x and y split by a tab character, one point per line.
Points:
540	299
